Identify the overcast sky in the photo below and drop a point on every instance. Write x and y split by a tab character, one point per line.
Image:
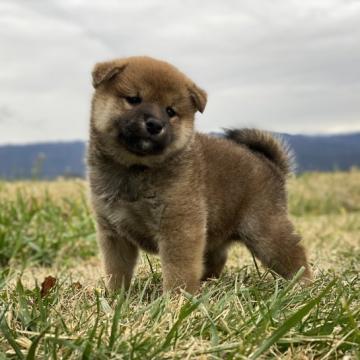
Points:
283	65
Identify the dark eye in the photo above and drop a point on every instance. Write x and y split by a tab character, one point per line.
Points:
170	111
133	100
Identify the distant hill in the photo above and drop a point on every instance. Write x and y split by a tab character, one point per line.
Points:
43	160
325	153
51	160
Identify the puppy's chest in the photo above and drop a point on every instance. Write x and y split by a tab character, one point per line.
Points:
138	218
144	213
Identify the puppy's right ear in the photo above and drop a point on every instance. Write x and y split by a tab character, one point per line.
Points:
105	71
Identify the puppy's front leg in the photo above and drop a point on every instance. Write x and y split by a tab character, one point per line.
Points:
119	257
181	249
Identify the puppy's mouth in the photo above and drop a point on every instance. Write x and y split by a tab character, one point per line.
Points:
143	146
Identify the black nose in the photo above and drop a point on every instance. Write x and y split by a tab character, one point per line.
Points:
153	126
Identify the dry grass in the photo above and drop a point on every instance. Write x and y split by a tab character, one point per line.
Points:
46	228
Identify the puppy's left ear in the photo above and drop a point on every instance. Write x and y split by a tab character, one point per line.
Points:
105	71
198	96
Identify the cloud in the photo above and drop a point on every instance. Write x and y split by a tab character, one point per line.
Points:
283	65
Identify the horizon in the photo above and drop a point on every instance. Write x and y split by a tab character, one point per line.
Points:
60	141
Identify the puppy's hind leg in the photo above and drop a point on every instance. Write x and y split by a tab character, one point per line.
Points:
119	256
214	263
276	245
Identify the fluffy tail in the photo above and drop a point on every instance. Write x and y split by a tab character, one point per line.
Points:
274	149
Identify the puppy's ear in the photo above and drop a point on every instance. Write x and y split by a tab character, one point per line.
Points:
105	71
198	96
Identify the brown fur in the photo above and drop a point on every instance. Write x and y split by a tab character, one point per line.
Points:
186	196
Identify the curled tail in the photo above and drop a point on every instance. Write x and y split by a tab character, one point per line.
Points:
263	142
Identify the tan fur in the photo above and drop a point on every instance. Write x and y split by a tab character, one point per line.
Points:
193	199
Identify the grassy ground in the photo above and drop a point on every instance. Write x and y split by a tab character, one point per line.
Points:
47	229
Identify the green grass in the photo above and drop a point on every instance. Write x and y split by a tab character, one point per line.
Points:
41	230
47	229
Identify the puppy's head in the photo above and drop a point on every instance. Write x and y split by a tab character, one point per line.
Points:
143	109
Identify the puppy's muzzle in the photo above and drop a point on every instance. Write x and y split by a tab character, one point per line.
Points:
144	133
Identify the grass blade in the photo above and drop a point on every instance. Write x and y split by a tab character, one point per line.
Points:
7	334
185	311
116	319
34	344
289	323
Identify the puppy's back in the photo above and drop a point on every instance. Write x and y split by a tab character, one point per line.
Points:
236	178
